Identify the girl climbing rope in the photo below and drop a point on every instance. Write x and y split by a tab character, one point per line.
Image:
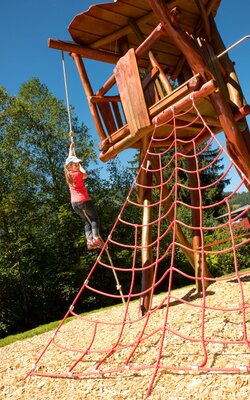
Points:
81	203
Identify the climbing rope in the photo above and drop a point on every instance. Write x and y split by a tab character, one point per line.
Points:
71	133
118	285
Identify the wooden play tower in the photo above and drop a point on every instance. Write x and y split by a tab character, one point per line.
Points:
162	52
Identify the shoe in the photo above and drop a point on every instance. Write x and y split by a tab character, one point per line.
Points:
98	242
91	245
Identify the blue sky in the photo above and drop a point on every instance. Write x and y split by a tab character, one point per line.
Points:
26	26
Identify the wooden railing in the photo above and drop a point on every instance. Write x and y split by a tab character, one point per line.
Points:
111	112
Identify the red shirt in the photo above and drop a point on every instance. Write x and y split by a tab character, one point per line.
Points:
78	191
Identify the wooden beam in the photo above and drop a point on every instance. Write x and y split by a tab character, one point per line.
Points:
237	146
125	143
197	29
85	52
211	5
231	79
117	136
148	43
135	28
89	92
106	86
242	112
104	99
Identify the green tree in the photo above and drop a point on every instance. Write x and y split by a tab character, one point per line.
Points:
39	235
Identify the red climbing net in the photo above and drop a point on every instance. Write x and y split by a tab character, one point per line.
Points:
182	330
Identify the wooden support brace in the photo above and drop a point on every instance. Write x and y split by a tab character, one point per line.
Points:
89	93
162	76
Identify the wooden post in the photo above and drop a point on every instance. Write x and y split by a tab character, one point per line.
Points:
164	80
145	198
232	82
199	260
89	92
233	86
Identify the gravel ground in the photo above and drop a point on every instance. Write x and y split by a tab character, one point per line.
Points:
176	351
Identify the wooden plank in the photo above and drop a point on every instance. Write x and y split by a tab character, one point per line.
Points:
168	100
138	3
119	33
131	93
87	22
107	15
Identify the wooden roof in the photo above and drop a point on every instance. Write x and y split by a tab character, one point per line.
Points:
108	27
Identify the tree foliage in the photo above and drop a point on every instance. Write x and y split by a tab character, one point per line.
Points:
38	232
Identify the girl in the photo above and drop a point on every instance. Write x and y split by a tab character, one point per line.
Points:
75	175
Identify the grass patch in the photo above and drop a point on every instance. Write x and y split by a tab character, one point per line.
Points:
29	334
45	328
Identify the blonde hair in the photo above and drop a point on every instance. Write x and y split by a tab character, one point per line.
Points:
68	176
